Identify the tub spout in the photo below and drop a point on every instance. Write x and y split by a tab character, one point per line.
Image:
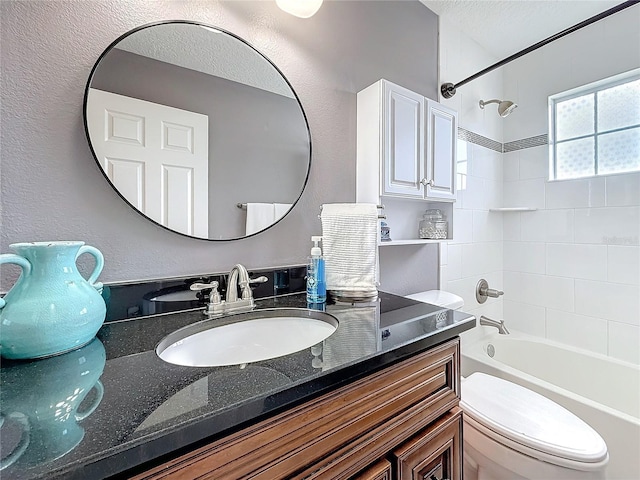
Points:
488	322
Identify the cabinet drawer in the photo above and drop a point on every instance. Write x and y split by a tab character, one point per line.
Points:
411	394
380	470
435	453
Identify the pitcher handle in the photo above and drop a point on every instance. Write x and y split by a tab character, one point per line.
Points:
93	251
99	394
25	439
18	260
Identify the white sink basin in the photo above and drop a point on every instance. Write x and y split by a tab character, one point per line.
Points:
252	337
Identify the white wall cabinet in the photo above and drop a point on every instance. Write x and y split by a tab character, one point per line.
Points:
406	145
403	142
406	150
442	138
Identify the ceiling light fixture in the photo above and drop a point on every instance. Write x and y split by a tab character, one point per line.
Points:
300	8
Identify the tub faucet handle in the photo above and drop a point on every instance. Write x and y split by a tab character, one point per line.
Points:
493	293
483	291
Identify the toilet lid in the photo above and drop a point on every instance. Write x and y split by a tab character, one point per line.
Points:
438	297
529	419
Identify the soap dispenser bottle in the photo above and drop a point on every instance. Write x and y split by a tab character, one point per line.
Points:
316	284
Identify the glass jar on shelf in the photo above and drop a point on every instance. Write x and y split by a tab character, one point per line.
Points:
433	225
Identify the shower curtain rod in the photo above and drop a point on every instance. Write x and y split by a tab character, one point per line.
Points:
448	90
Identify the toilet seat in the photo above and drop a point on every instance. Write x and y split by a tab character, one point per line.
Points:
530	423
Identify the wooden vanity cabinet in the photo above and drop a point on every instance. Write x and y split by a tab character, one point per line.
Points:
398	423
381	470
434	454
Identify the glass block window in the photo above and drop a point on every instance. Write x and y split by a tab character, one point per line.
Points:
595	129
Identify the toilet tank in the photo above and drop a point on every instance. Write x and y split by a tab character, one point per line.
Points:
440	298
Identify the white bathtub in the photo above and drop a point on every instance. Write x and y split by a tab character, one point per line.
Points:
604	392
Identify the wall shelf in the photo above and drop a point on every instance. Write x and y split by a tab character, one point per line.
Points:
411	241
513	209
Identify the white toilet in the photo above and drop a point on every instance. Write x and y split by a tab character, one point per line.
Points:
513	433
440	298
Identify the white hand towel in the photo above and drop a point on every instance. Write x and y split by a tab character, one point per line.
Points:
259	216
281	209
350	247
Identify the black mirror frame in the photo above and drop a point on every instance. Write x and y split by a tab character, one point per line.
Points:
190	22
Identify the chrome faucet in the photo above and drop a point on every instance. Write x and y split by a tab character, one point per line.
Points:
238	277
488	322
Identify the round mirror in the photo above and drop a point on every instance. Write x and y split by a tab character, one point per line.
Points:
197	130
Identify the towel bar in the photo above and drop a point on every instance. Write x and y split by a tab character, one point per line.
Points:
383	217
242	206
381	207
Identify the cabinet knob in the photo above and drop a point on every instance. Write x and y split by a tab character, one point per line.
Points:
426	182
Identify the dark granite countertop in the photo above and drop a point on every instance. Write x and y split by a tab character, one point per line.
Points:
113	405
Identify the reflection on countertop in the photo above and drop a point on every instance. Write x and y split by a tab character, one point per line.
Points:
149	408
44	404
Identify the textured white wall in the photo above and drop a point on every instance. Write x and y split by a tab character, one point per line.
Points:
52	189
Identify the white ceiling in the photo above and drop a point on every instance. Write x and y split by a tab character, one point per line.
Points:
504	27
206	50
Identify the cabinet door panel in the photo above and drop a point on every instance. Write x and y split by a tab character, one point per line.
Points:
435	453
404	142
441	148
381	470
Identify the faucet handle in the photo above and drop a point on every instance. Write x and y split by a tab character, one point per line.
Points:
493	293
215	294
245	286
483	291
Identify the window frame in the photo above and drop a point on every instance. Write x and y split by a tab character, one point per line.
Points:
591	88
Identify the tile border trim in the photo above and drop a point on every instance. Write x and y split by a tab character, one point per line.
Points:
471	137
530	142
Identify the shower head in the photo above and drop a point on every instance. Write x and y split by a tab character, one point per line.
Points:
504	107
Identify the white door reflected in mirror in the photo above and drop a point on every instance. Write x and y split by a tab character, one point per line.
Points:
156	156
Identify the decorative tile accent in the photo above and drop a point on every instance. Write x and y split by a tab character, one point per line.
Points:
477	139
472	137
525	143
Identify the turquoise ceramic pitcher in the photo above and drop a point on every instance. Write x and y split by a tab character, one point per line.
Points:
51	309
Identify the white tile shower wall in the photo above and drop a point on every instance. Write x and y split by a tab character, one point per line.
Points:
581	282
579	330
586	263
476	249
529	319
624	340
